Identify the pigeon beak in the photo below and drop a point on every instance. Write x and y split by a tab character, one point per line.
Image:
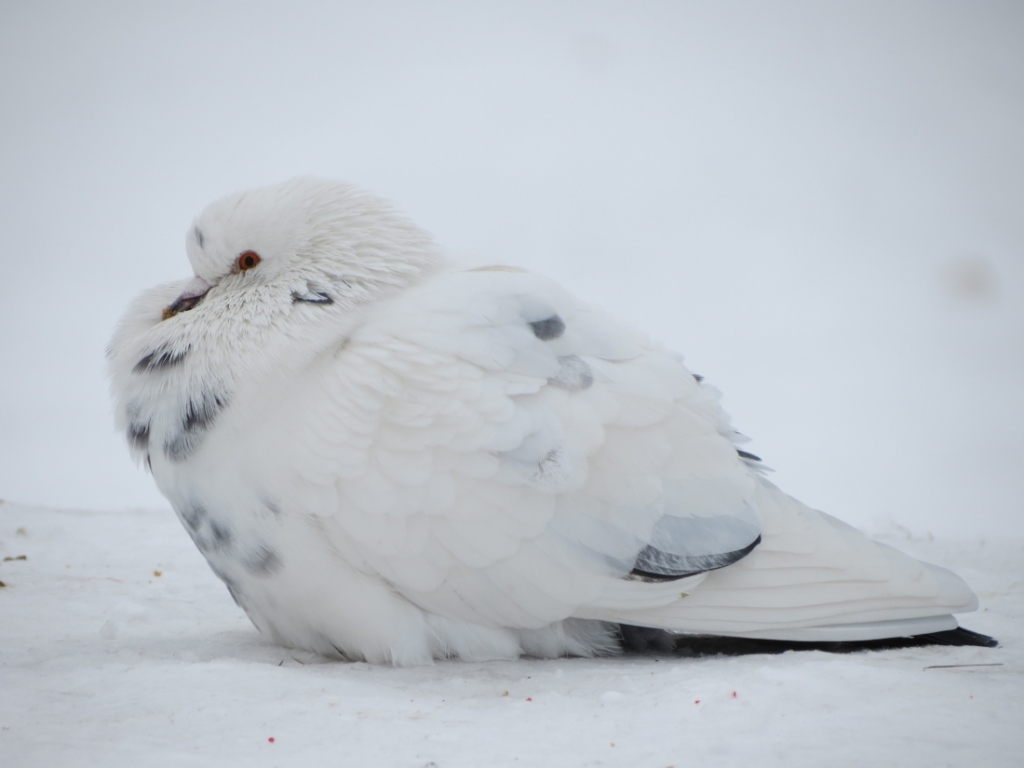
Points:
192	295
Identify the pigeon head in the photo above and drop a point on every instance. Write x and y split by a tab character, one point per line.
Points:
306	239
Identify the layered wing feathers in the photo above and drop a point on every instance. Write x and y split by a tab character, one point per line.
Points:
501	451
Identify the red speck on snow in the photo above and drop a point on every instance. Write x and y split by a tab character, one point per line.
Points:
271	739
528	698
734	694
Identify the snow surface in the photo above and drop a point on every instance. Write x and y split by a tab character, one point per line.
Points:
119	647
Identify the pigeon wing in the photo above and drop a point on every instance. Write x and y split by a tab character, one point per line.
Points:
502	453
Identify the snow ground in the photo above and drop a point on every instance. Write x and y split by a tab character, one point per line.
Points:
118	646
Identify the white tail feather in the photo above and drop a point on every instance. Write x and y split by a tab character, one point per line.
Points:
813	578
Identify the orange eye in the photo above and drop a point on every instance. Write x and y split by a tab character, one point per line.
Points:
248	260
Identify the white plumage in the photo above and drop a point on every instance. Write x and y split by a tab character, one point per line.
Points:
391	457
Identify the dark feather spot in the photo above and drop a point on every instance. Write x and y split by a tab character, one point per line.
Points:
200	414
193	516
747	456
160	359
221	535
548	329
654	565
698	377
198	417
551	473
207	534
263	562
138	436
199	236
273	507
573	373
312	296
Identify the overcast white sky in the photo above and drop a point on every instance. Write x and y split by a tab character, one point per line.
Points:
819	204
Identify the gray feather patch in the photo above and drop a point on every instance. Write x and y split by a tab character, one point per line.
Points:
573	373
207	533
193	516
263	561
221	535
314	294
654	565
160	359
138	436
548	329
138	427
197	418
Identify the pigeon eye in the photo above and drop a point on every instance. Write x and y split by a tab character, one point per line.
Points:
248	260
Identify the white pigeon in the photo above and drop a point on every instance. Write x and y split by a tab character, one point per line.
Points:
391	457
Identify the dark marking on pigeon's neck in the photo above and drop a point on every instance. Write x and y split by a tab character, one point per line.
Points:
548	329
160	359
138	436
138	426
311	298
314	294
198	417
200	414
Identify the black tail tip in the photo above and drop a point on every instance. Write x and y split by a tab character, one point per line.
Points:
959	636
706	645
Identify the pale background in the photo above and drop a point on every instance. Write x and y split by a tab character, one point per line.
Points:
819	204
